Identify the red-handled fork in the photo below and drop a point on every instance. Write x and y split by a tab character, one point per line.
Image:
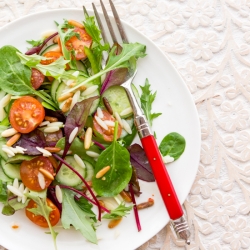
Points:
149	144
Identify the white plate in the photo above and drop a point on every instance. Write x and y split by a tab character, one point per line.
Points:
179	115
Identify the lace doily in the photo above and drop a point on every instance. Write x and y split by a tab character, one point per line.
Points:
208	41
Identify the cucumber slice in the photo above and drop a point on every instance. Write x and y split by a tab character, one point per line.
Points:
54	87
62	86
80	66
12	170
52	47
89	171
118	100
3	154
96	102
66	176
3	176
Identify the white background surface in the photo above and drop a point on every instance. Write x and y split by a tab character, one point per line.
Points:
208	42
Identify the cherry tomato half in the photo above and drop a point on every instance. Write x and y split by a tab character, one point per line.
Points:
37	78
26	113
78	44
52	57
29	172
107	135
39	220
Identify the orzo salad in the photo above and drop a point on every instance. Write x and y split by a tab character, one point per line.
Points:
67	131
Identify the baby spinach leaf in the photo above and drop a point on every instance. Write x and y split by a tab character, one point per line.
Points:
117	178
140	162
15	77
72	214
8	210
120	211
173	145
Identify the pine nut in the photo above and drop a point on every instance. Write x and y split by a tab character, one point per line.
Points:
75	99
110	123
90	90
46	173
102	172
41	180
88	138
8	132
126	111
99	113
79	161
82	88
59	194
45	123
75	23
126	126
13	139
126	196
101	123
50	119
118	118
15	183
14	190
73	134
52	149
147	204
107	105
92	154
66	105
52	124
64	97
115	222
51	129
44	152
56	38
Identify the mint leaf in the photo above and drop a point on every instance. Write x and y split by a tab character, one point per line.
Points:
72	214
120	211
42	209
147	98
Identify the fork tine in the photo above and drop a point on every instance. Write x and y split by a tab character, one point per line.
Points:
99	22
118	22
112	33
85	11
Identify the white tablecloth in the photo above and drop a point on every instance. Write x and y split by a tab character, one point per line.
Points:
209	43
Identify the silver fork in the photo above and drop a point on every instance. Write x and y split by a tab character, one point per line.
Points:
178	220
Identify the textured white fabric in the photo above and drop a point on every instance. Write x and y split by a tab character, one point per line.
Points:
209	43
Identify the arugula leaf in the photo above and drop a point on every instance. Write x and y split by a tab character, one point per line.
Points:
15	77
120	211
35	43
72	214
117	178
55	69
42	209
86	207
117	61
147	98
173	145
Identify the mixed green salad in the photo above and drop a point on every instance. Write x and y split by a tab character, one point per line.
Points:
67	131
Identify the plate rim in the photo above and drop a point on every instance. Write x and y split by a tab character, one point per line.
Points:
6	26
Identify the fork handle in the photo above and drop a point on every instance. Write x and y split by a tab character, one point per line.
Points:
162	178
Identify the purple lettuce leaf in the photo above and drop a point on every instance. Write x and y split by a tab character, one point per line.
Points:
37	49
140	162
57	114
114	77
77	118
53	138
32	140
